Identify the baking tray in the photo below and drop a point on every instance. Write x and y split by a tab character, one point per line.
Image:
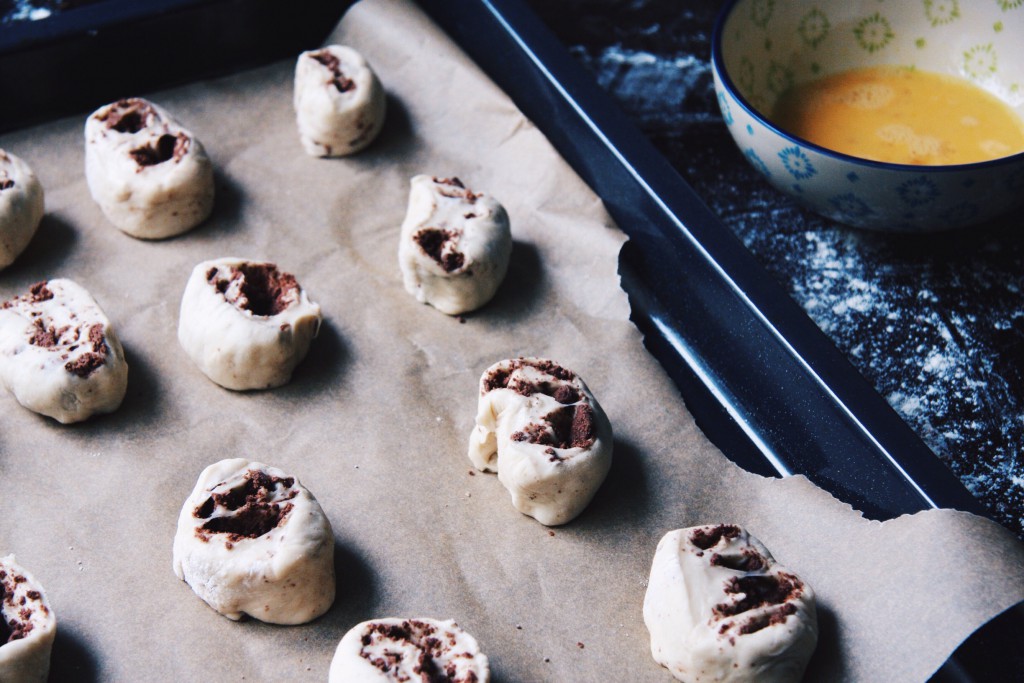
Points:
763	382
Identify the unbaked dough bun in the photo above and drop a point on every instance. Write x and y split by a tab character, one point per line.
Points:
59	354
246	324
539	427
27	626
150	176
339	102
252	540
21	207
390	650
719	608
455	245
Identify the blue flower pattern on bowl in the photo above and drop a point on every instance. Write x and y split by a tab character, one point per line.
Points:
850	206
918	191
756	162
797	163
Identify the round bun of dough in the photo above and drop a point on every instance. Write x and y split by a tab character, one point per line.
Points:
719	608
539	427
339	102
59	354
252	540
390	650
455	245
27	626
21	207
150	176
246	324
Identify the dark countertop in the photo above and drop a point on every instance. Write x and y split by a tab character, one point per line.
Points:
934	322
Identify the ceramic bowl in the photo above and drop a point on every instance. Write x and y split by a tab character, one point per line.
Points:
762	47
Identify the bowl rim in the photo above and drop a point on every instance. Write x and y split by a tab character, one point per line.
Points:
718	67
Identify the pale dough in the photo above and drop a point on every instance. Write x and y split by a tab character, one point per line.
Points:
59	354
339	102
455	245
392	650
719	608
29	626
21	207
149	175
539	427
246	324
252	540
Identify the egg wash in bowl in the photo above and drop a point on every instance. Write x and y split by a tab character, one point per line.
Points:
793	77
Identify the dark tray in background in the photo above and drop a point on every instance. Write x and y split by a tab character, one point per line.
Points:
761	379
98	51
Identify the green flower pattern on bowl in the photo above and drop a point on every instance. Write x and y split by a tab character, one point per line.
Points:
767	46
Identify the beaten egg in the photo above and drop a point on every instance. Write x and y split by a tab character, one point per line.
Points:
901	115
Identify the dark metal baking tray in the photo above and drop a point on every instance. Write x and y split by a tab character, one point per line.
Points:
761	379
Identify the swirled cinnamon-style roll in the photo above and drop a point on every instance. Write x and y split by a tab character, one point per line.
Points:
252	540
455	245
149	175
339	102
719	608
539	427
59	354
27	626
246	324
21	207
390	650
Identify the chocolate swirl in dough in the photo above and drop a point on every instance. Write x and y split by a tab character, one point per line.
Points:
455	245
27	626
392	650
149	175
59	354
719	608
539	427
252	540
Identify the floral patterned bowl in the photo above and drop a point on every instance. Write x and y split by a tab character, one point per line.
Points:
762	47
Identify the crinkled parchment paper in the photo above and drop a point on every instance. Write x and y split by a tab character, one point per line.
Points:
376	420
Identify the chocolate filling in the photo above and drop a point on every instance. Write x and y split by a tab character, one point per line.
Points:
167	147
254	514
45	337
501	378
264	290
705	538
14	623
749	560
453	187
90	361
6	183
433	240
568	427
420	636
128	116
333	64
759	591
762	621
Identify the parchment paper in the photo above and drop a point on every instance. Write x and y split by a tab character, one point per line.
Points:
376	420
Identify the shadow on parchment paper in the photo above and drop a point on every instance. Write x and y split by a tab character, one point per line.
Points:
227	209
141	405
396	137
623	499
44	255
518	293
355	592
826	663
71	661
323	366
